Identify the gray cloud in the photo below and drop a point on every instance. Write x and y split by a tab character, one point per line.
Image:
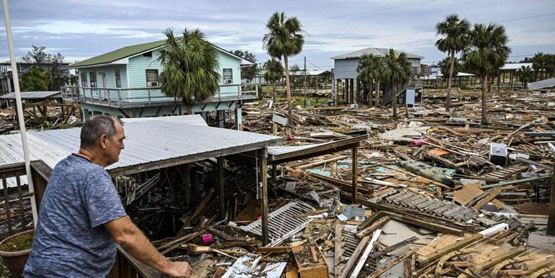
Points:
80	29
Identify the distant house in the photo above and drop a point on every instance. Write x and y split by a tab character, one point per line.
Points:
345	69
6	81
125	83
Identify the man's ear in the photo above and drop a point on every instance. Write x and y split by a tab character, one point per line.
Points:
102	141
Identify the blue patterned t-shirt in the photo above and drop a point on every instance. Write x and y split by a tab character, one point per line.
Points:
70	238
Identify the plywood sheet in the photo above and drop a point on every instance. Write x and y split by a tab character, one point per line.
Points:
468	193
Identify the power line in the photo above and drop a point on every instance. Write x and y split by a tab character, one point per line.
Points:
372	11
510	56
357	13
433	30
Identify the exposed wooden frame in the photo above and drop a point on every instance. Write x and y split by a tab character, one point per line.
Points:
127	170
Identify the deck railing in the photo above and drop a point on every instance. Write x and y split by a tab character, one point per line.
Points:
15	214
136	97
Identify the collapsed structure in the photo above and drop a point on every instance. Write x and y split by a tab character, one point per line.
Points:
350	194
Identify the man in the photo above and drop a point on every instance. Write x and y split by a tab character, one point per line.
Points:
81	216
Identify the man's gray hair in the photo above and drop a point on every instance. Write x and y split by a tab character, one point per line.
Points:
94	128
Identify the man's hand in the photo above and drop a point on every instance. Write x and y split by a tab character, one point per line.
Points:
179	269
130	238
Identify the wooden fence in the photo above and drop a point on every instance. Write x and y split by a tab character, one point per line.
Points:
15	211
16	215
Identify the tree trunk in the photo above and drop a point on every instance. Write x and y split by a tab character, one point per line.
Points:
288	88
484	105
449	82
274	91
394	100
370	93
377	95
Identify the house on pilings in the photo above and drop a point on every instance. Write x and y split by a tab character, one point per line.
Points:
347	89
125	83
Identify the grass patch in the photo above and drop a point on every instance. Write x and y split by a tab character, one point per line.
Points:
19	243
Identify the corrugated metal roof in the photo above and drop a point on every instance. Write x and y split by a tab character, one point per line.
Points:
374	51
33	95
11	152
146	141
188	120
548	83
289	149
516	66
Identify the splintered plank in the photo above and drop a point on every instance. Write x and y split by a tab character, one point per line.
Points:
468	193
489	197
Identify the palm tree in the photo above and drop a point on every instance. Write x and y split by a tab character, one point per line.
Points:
190	65
369	69
283	40
487	53
397	71
525	75
538	63
455	38
273	74
550	65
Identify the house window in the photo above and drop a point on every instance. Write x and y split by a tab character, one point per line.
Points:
228	76
92	75
84	79
152	78
147	54
118	79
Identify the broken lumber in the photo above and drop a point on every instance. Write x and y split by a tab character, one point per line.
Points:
378	224
366	253
391	264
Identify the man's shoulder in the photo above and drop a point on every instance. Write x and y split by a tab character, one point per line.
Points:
78	165
77	170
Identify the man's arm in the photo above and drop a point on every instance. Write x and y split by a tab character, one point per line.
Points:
126	234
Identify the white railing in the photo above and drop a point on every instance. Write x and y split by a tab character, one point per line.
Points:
130	97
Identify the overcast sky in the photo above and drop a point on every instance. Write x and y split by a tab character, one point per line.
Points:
81	29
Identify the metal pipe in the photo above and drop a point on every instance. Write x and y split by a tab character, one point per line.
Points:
19	107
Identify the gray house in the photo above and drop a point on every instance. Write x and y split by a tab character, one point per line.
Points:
345	71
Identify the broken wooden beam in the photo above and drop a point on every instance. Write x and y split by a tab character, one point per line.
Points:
391	264
378	224
353	258
366	253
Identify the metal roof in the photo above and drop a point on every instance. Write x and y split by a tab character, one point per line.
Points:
11	152
516	66
34	95
187	120
118	54
374	51
547	83
290	153
132	50
148	141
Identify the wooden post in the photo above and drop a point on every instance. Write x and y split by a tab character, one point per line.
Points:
263	173
220	117
238	118
355	91
274	171
551	219
354	167
187	184
221	186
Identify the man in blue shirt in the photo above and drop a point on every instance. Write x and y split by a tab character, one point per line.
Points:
81	216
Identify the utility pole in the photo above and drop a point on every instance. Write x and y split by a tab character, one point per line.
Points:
305	81
551	217
19	109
